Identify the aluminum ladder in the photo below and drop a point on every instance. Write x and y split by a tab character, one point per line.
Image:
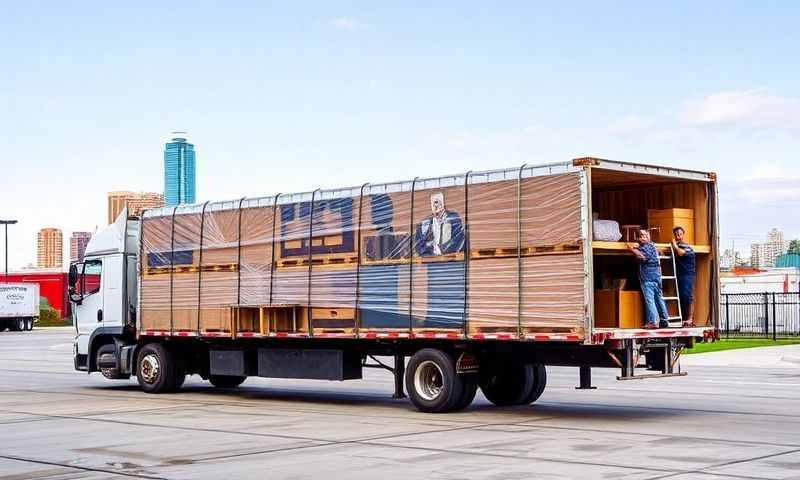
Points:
673	277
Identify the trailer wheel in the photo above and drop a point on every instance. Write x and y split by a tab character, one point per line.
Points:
432	383
20	327
156	369
468	393
539	383
506	384
226	381
29	324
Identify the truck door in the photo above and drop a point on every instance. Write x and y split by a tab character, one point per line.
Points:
89	310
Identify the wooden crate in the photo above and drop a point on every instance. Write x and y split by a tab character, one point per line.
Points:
668	218
618	309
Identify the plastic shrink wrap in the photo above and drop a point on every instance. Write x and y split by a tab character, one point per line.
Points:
492	252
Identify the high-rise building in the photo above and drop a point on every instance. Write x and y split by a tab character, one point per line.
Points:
136	202
49	251
77	245
179	171
764	254
775	237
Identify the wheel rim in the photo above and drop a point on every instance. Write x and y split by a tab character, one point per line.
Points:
150	368
429	380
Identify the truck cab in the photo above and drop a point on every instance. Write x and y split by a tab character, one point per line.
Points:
103	292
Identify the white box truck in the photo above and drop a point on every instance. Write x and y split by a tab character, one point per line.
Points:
19	306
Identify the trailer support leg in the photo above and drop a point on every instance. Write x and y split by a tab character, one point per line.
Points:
628	364
399	373
585	373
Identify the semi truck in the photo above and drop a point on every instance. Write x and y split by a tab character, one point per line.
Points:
472	281
19	306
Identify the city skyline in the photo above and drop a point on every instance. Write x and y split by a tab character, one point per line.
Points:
339	97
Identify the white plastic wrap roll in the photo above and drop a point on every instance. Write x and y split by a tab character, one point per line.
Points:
606	230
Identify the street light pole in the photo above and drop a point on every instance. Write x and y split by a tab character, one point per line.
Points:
5	224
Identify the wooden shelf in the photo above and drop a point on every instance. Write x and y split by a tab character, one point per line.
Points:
617	246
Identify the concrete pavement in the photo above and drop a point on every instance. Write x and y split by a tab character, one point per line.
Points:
718	422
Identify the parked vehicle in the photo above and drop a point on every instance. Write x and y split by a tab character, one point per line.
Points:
482	279
19	306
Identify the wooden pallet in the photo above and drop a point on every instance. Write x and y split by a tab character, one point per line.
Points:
317	260
222	267
557	249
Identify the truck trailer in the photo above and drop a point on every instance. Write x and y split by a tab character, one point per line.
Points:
19	306
475	280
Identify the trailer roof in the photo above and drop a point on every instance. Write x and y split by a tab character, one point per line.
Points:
471	177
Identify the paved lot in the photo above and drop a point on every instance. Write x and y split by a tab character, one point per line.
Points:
719	422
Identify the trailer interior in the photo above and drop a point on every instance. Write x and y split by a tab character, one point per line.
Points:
633	200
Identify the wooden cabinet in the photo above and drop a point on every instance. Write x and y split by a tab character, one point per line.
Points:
618	309
668	218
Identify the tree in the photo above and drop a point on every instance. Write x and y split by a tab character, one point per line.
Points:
794	246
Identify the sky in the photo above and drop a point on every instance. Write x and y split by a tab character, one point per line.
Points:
294	96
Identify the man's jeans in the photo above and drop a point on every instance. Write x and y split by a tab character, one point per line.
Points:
654	306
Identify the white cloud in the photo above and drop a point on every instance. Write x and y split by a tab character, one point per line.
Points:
348	23
770	191
630	124
751	108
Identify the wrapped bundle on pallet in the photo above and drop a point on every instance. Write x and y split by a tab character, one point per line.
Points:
467	255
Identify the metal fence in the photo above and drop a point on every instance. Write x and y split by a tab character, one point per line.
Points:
768	314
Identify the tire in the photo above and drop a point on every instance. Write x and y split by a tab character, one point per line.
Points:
226	381
155	369
20	326
432	383
539	383
508	383
467	394
179	379
109	373
29	324
180	370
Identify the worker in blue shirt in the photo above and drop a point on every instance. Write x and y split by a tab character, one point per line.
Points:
685	271
650	281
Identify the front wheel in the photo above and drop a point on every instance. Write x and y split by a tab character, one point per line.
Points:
156	370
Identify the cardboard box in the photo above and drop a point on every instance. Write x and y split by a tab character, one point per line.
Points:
669	218
618	309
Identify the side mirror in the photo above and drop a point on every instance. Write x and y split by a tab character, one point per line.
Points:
73	276
73	282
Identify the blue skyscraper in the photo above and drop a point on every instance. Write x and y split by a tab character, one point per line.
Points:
179	171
